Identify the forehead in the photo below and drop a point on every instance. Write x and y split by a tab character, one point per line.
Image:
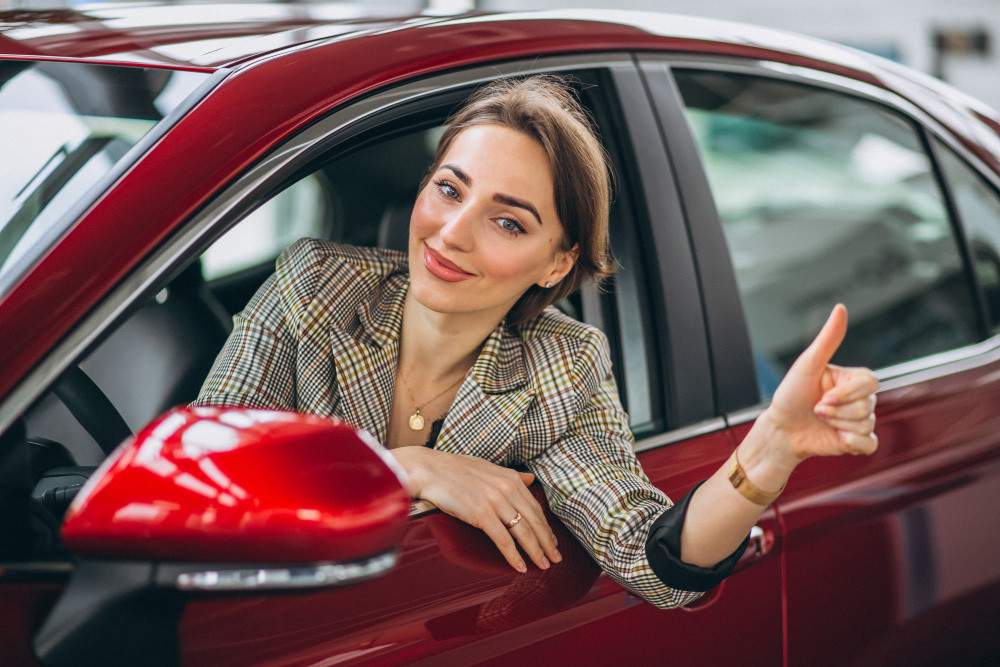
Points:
499	152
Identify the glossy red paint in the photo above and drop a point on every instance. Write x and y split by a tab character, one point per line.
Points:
207	484
837	514
452	598
907	535
22	608
168	35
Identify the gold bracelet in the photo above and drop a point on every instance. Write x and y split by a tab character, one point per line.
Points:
738	478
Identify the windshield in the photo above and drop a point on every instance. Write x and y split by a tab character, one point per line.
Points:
66	129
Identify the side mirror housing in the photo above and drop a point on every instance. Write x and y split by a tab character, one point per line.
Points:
241	485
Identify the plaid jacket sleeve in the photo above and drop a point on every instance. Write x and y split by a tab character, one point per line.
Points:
257	365
279	353
595	485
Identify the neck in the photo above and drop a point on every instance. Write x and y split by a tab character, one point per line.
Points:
440	346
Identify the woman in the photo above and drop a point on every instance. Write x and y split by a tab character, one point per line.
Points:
451	346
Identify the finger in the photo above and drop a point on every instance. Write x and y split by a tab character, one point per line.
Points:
534	517
527	478
856	444
526	536
850	384
532	531
821	350
863	427
501	537
859	409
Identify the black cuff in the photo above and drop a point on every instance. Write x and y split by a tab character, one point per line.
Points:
663	548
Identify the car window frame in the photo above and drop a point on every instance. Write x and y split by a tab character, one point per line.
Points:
738	396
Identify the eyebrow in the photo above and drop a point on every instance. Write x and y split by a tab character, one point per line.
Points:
499	198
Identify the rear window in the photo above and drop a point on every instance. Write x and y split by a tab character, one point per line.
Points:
67	130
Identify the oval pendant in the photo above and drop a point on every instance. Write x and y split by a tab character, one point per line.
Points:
416	422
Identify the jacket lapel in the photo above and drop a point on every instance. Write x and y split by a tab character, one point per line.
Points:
365	359
484	418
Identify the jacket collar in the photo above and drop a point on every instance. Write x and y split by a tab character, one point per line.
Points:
500	366
381	317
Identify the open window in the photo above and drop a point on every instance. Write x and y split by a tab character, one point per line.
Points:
358	189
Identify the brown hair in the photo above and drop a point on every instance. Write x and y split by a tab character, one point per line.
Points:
546	108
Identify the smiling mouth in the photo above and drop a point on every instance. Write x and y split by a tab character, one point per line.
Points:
442	268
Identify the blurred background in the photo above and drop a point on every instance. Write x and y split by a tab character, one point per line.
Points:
954	40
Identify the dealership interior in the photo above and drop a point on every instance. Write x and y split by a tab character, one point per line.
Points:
956	40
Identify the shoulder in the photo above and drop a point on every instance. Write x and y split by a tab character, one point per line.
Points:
311	269
313	255
555	342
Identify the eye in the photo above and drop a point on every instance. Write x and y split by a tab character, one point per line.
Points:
509	226
447	189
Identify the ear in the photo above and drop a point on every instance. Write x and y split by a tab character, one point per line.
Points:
562	264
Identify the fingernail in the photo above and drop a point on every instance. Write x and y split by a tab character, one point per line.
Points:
521	567
556	556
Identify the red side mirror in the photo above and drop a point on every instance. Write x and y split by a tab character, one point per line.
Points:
241	485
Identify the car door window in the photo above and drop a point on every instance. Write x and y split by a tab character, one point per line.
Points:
362	194
978	208
825	198
634	326
306	208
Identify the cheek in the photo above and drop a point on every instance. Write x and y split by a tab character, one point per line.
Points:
516	267
420	216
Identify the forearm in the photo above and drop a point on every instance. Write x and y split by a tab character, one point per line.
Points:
719	517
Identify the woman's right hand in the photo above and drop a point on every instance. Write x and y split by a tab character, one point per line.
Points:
483	495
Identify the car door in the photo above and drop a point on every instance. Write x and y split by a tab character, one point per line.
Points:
830	190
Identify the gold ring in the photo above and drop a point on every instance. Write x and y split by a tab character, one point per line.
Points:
513	522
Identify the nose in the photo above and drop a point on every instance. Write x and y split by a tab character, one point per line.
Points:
458	231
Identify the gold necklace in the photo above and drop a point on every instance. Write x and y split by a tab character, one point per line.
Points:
417	420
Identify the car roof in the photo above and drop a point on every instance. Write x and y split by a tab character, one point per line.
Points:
231	35
215	35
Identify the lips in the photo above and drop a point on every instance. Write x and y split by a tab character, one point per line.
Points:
442	268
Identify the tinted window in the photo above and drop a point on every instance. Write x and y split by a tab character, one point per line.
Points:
63	127
826	198
978	209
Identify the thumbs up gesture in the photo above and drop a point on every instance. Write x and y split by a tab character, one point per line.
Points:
822	409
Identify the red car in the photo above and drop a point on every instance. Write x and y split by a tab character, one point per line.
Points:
155	160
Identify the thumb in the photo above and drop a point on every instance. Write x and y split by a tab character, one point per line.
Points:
829	338
527	477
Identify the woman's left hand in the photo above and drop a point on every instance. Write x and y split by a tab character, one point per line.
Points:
823	409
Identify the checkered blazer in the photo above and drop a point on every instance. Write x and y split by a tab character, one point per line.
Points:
322	336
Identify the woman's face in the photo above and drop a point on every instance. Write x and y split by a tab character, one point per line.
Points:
484	228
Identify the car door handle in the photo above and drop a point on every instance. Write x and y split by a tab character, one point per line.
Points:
760	544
